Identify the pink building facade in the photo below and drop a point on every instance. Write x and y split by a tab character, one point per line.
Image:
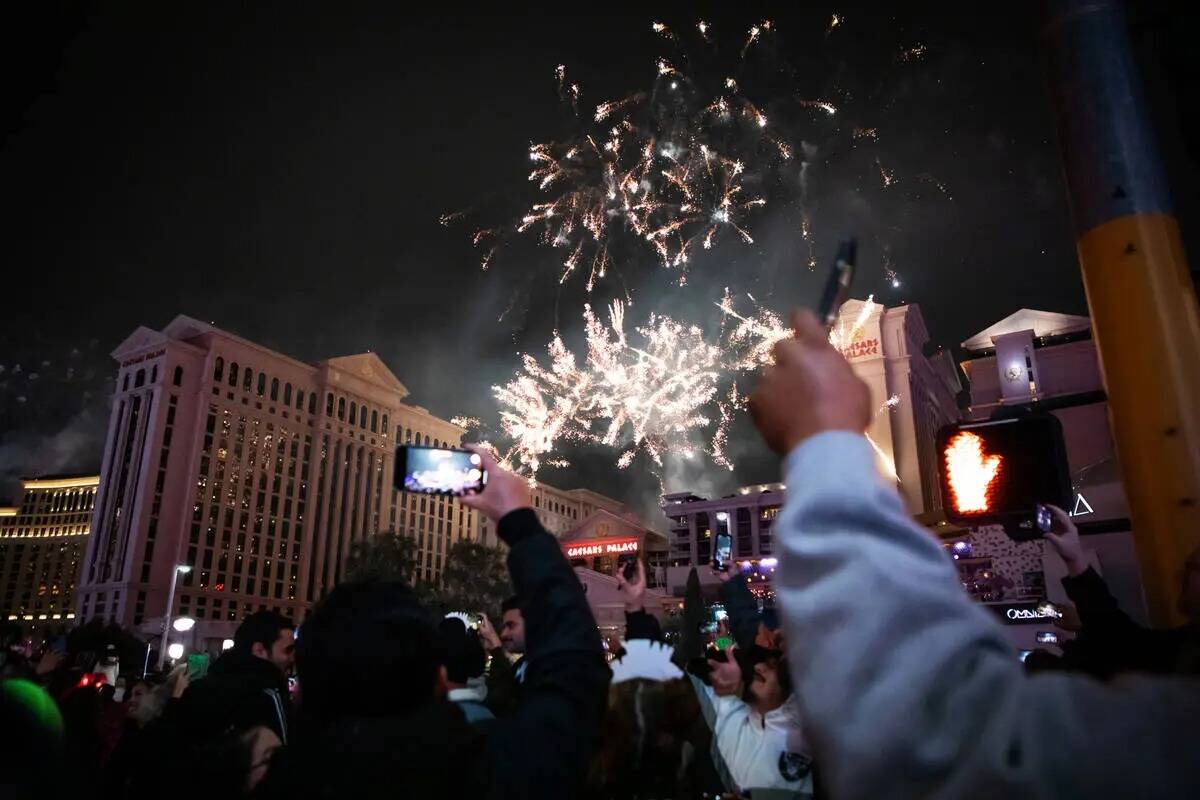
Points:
258	471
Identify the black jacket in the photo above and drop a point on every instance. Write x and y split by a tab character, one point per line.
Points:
241	691
540	749
1111	642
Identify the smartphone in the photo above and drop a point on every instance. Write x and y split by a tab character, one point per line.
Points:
723	544
628	564
1025	655
1047	637
837	285
197	666
437	470
1045	520
1048	609
716	613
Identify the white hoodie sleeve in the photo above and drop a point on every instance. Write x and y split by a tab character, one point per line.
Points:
909	689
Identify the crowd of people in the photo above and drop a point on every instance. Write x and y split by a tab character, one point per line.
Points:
877	676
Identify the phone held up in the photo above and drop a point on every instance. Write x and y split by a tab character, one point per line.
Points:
722	545
439	470
1045	520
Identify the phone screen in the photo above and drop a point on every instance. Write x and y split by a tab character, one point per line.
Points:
1047	637
197	666
722	551
435	470
1044	519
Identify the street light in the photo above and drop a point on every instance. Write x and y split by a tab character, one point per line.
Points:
226	644
175	651
162	650
183	624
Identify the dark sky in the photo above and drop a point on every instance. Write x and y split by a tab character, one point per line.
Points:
279	169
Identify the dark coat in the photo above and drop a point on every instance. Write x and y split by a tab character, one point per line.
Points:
1111	642
540	749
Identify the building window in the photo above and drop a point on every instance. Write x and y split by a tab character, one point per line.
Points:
274	388
233	374
262	383
362	418
140	379
178	378
247	378
374	421
329	404
353	411
342	408
154	374
299	399
287	394
219	369
312	403
385	425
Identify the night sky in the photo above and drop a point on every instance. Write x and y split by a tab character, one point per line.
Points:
279	170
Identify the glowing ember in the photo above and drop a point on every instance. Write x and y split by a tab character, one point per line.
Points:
970	473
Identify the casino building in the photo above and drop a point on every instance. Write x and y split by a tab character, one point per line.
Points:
254	469
914	387
42	541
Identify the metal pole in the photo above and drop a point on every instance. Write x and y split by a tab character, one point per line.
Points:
162	649
1140	294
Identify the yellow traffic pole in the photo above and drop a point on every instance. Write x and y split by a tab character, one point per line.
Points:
1143	305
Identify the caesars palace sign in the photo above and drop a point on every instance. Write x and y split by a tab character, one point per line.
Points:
606	547
860	346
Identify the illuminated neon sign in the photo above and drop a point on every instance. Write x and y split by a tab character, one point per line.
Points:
602	548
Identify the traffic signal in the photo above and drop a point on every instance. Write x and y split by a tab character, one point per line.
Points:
997	472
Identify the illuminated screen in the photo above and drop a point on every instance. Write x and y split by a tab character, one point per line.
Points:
437	471
999	471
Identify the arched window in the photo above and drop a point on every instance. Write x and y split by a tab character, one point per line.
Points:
125	383
385	427
219	369
435	443
233	374
312	403
140	378
375	421
247	379
178	379
427	440
353	412
299	399
362	417
274	388
342	408
287	394
262	383
154	374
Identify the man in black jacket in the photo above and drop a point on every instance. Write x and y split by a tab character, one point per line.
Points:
374	720
247	686
1110	641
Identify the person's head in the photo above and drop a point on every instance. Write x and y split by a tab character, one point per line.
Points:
512	626
269	636
646	725
1189	594
369	649
462	652
146	701
770	685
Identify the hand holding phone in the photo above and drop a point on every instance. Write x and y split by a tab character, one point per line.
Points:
439	470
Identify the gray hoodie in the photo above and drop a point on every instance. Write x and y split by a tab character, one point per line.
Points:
909	689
